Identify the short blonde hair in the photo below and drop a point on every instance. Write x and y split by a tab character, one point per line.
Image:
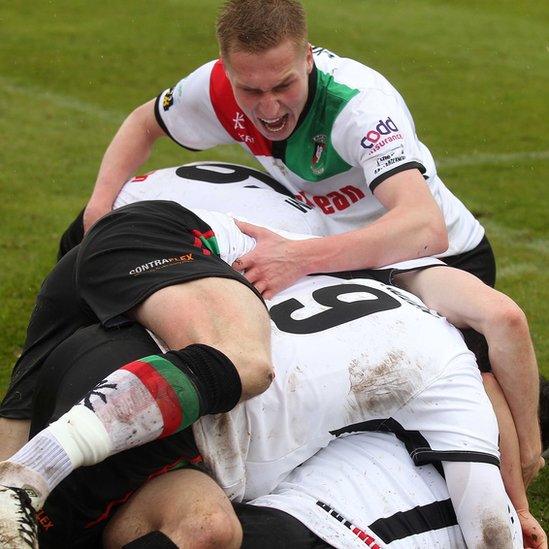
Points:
258	25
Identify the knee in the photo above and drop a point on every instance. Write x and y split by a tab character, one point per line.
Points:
215	528
256	375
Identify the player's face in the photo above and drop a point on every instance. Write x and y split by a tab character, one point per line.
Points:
271	87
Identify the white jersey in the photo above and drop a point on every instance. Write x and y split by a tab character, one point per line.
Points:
356	132
351	355
238	191
364	491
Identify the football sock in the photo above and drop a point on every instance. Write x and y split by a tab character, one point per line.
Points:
147	399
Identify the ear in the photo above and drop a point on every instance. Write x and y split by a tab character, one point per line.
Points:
309	58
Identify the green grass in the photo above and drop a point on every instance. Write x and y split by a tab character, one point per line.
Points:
474	74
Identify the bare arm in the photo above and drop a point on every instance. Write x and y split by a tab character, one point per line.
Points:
130	147
412	227
467	302
533	534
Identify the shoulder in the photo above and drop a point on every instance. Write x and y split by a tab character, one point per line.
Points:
351	73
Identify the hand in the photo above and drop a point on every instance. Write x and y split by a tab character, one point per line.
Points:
93	212
530	471
532	532
273	264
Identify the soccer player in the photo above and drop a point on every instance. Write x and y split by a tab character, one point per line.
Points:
332	131
360	491
337	373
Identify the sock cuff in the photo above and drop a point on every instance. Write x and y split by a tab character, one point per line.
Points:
216	377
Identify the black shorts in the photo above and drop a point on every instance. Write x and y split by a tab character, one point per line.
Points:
59	312
94	280
79	508
269	528
479	261
136	250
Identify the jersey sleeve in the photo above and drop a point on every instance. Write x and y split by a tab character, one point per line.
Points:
186	114
375	131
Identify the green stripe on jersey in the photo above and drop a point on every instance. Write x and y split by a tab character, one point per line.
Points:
309	150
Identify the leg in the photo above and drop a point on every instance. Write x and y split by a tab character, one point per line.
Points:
187	506
218	312
14	433
57	314
161	394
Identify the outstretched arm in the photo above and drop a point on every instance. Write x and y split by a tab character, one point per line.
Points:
467	302
534	536
412	227
129	149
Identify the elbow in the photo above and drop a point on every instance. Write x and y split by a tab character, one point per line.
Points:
436	239
507	319
511	318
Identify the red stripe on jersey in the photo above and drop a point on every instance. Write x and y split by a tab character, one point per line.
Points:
235	122
165	397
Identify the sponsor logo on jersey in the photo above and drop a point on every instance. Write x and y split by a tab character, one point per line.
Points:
158	264
167	102
386	160
375	139
334	201
317	162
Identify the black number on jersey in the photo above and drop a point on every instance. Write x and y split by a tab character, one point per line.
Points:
339	312
234	174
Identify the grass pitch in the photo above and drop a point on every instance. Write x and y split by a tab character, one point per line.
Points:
474	74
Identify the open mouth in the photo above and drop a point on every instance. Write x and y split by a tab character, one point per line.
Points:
275	124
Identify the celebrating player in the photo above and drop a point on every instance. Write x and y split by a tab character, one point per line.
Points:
332	131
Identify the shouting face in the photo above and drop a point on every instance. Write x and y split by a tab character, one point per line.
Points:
271	87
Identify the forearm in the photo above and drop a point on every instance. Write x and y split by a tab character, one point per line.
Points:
514	365
468	303
508	444
396	236
129	149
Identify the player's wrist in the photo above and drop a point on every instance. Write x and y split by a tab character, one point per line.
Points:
313	256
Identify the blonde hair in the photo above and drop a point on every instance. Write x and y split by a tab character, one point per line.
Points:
255	26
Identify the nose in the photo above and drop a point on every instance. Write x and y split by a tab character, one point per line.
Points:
269	106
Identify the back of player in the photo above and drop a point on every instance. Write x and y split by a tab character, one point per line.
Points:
351	355
359	356
236	190
364	490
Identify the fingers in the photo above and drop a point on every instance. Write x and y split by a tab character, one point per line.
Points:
249	229
244	263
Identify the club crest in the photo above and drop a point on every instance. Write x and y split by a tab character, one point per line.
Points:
317	161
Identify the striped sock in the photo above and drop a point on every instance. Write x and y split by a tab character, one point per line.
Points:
142	401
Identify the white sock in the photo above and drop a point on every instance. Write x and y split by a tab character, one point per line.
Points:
77	438
119	413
